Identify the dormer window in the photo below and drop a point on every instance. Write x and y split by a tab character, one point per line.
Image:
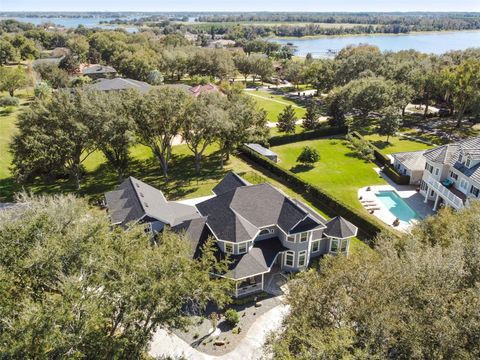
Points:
291	238
266	232
468	162
460	158
303	237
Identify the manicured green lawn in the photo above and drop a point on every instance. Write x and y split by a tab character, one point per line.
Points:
274	104
395	144
339	171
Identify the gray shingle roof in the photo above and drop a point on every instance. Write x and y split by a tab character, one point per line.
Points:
450	154
258	260
119	84
413	160
229	182
196	232
98	69
134	199
237	215
340	228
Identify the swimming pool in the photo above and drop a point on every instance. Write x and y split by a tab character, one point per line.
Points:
397	206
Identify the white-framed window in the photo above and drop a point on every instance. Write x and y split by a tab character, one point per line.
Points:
436	171
242	248
289	258
266	232
343	247
229	248
304	237
460	158
475	191
315	246
463	184
334	245
468	163
302	258
291	238
423	185
453	175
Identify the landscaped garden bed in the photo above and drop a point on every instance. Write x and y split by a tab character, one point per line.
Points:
228	335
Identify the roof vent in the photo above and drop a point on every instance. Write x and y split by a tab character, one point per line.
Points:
137	185
141	194
146	205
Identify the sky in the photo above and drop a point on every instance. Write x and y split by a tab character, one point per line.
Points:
240	5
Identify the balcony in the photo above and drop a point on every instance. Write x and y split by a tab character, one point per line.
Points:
447	195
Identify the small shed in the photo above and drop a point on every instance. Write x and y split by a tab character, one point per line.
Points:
263	151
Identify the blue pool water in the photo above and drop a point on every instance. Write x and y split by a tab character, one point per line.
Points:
397	206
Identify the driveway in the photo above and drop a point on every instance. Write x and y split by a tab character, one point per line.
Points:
250	347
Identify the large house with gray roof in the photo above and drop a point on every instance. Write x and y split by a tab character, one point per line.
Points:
257	227
451	173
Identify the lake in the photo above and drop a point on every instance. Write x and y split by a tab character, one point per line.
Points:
436	43
89	22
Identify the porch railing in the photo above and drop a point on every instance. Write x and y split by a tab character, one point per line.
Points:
449	196
249	289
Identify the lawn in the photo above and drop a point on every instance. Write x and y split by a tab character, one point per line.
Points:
274	104
395	144
339	171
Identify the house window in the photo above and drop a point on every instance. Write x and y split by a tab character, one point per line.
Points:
291	238
463	184
302	258
429	168
242	248
475	191
229	248
303	237
315	246
423	185
468	163
334	245
436	171
265	232
453	175
289	258
460	158
432	193
343	248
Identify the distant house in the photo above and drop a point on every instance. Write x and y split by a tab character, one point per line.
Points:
222	43
97	71
411	164
196	91
260	229
118	84
450	174
263	151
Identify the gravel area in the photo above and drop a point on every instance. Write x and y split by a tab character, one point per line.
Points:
226	338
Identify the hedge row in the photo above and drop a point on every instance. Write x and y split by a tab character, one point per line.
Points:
368	227
388	169
307	135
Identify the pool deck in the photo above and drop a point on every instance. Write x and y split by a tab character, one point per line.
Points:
407	192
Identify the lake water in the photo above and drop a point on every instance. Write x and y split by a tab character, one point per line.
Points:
89	22
436	43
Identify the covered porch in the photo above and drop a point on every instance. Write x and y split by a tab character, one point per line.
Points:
249	285
443	195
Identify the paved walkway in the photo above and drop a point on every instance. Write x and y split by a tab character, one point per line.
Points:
274	100
250	347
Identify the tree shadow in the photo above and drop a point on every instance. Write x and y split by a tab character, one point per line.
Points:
381	144
301	168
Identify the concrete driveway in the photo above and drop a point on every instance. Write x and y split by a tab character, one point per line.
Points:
250	347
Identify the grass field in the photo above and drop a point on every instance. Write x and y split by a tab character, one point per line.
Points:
395	144
339	171
274	104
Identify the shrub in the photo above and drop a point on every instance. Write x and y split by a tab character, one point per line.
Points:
362	147
308	156
155	77
232	317
42	90
9	101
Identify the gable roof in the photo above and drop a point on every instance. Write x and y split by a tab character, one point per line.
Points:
413	160
237	214
261	150
116	84
340	228
134	199
229	182
258	260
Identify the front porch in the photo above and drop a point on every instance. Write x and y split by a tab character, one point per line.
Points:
249	285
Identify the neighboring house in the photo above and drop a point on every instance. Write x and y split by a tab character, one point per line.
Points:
97	71
117	84
260	228
451	174
411	164
263	151
196	91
